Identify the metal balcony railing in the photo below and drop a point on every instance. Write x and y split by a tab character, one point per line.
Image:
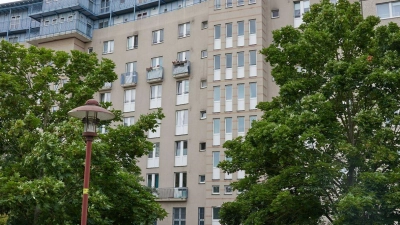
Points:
155	74
65	27
15	25
106	86
181	68
179	193
129	79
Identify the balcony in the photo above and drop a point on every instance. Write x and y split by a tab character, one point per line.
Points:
179	194
17	26
40	10
129	79
181	69
106	86
155	74
52	32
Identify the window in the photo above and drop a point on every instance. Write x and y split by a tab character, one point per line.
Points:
46	22
103	23
128	121
228	190
240	125
240	97
275	13
156	62
217	98
157	129
228	29
180	179
184	30
54	109
15	22
108	47
70	18
253	58
54	21
240	2
155	96
152	180
179	216
203	83
105	97
153	160
240	64
104	6
229	3
202	146
333	1
215	189
90	50
129	100
252	1
102	129
182	92
203	115
202	179
132	42
228	57
228	128
215	213
201	216
216	131
300	7
253	95
228	98
240	25
204	25
252	118
13	39
181	153
182	56
388	10
217	31
252	26
217	62
217	4
182	120
158	36
204	54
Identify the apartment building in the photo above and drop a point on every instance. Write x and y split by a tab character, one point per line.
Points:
196	59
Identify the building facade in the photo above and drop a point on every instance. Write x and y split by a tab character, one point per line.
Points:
196	59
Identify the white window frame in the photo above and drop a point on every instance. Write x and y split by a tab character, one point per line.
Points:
215	189
216	160
241	124
228	35
241	97
184	30
253	95
228	98
215	218
217	4
228	128
216	131
300	7
229	4
158	36
153	180
228	66
132	42
129	100
184	55
203	84
108	47
153	158
182	122
182	92
156	62
217	36
157	132
228	190
129	121
179	218
204	54
15	22
105	97
181	153
252	32
201	180
217	67
390	6
240	64
217	99
251	119
155	96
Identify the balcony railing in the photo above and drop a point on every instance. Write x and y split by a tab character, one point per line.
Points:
15	25
181	69
155	74
129	79
75	26
171	194
106	86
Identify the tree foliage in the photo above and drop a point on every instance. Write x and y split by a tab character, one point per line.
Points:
327	146
42	151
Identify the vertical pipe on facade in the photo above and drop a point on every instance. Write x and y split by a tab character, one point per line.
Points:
111	2
9	23
134	11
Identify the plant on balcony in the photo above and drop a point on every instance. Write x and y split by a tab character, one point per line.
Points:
148	69
179	63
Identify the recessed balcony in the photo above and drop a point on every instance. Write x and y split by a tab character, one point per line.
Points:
178	194
155	74
129	79
181	69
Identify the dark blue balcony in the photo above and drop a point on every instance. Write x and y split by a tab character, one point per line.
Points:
129	79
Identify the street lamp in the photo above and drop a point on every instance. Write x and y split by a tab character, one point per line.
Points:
91	114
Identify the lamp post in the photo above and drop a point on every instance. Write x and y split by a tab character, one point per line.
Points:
91	114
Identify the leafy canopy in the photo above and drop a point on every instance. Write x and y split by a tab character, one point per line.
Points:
327	147
42	151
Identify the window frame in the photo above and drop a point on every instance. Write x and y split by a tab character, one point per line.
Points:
110	47
157	36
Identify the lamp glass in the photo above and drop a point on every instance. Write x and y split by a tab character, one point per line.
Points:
90	123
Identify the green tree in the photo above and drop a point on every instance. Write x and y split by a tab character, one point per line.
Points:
328	146
42	151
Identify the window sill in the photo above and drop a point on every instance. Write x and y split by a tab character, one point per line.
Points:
202	182
203	118
227	193
157	43
204	57
106	53
215	193
275	17
180	37
131	48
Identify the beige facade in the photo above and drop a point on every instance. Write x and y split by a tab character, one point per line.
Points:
212	102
